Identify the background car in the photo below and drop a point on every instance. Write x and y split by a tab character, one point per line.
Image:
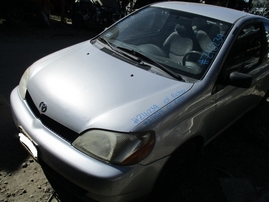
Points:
105	116
17	10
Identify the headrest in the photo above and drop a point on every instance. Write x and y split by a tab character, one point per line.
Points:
180	29
199	24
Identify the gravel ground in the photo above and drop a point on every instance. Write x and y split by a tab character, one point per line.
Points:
233	168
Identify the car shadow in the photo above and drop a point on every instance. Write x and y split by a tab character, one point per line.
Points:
12	154
231	168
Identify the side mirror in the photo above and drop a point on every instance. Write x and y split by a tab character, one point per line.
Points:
240	80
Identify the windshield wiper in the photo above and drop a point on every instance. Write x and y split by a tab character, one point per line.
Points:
137	56
117	49
106	42
151	61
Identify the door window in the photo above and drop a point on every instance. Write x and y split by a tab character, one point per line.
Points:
244	56
247	50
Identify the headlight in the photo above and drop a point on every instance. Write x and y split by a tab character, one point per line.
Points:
116	147
23	83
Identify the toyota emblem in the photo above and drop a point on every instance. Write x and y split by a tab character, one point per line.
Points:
42	107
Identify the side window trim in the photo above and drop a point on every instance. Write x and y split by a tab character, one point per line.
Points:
222	80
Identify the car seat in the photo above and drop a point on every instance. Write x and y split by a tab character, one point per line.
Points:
178	44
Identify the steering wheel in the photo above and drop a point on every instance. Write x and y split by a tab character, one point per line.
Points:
188	61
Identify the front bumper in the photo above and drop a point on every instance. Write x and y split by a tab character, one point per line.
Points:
100	181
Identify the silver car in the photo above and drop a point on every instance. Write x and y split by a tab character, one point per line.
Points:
104	116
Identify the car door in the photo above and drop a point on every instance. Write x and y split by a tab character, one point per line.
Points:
246	57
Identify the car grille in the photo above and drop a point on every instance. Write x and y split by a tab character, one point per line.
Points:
54	126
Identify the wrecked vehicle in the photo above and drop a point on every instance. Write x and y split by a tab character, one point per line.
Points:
103	117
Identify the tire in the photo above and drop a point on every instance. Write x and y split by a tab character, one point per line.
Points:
183	157
175	171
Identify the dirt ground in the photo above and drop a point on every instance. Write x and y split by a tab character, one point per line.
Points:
233	168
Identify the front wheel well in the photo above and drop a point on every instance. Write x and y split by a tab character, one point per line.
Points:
186	154
196	143
179	163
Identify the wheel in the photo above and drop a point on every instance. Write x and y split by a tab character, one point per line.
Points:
180	161
191	56
184	156
175	172
190	61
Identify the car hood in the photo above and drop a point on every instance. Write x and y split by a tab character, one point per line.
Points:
84	88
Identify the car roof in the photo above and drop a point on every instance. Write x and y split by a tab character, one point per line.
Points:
217	12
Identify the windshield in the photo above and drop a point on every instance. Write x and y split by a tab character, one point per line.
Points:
184	43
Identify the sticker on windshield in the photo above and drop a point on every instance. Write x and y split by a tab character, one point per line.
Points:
211	49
